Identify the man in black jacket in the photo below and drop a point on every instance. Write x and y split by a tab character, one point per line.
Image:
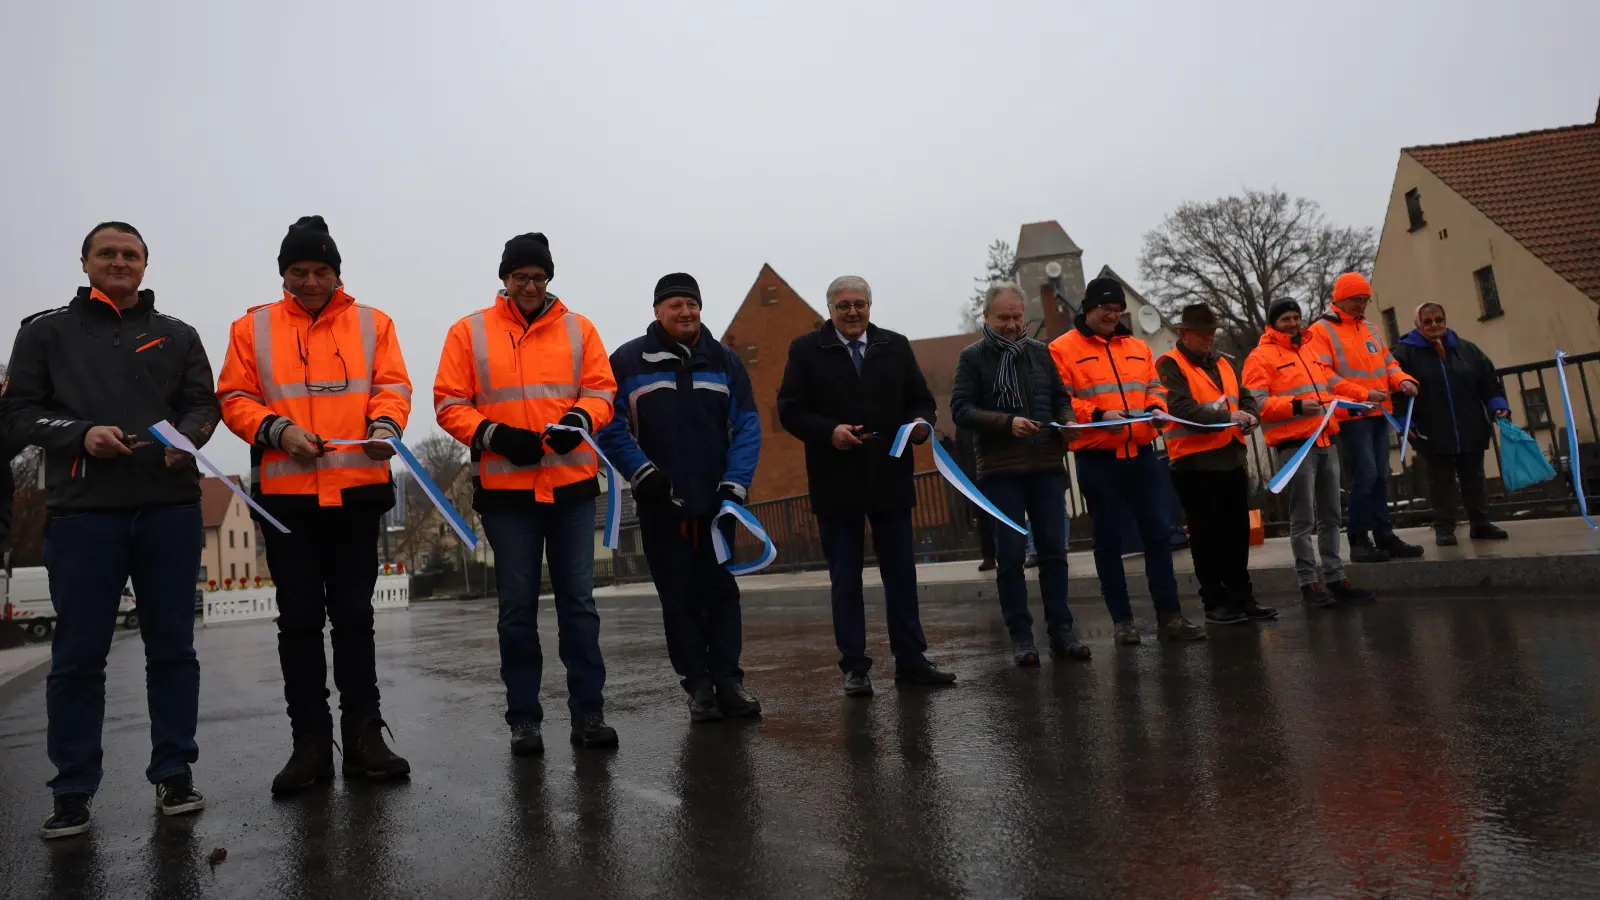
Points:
86	382
1450	427
1007	389
847	388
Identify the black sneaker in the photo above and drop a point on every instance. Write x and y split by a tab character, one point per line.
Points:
986	565
1025	655
1174	627
857	684
703	705
310	763
1317	598
71	817
1255	611
922	672
1444	538
177	797
1397	548
1349	593
1362	550
1127	633
1067	645
1487	531
736	702
527	740
592	731
1225	614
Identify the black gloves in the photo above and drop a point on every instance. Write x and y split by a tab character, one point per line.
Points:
727	492
564	442
521	446
654	488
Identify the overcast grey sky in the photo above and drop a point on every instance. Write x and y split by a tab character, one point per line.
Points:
893	140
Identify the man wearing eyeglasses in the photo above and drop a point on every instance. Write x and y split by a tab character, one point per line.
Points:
312	368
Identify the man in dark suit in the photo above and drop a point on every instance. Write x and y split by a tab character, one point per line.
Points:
847	388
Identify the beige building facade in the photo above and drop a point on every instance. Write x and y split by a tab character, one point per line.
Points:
230	536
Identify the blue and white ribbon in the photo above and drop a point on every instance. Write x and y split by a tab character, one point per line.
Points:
457	522
1171	418
748	520
1285	474
613	535
1572	438
1104	423
1405	430
171	437
951	472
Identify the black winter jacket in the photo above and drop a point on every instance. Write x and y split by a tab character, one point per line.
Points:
88	364
973	405
1456	393
821	390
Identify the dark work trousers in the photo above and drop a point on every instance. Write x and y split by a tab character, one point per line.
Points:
699	598
523	536
1040	499
90	557
1444	471
1217	505
1131	486
325	569
843	543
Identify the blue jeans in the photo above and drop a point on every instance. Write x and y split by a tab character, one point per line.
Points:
520	536
1136	486
843	543
1366	444
90	557
1041	498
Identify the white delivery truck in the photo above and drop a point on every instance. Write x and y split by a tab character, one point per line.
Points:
27	602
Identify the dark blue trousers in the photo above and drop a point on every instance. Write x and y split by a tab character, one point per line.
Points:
843	543
1039	499
1136	486
699	599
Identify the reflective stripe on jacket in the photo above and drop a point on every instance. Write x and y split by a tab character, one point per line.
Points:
1351	347
1281	373
1109	374
500	368
1183	440
334	374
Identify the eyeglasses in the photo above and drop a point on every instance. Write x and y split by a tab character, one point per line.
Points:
521	279
322	387
852	304
1438	321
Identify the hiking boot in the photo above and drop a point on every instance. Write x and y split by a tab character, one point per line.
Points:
1025	655
703	705
1067	645
1444	538
1225	614
921	672
176	796
986	565
857	684
1397	548
1317	598
1488	531
71	816
1349	593
592	731
527	740
311	762
366	755
1362	550
1127	633
1174	627
736	702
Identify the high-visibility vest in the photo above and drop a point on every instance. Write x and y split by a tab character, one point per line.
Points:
1277	373
332	374
1183	440
499	367
1115	374
1351	347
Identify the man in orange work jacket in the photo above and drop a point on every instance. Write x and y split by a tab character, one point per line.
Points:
1112	375
507	373
1345	341
1293	390
312	368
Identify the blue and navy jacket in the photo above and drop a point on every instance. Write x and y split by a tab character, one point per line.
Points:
693	417
1457	393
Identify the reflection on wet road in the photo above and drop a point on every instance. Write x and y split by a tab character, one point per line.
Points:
1438	746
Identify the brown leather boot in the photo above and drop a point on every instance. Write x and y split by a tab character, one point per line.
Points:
365	753
310	763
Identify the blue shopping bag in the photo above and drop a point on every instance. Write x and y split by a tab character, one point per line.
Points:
1522	463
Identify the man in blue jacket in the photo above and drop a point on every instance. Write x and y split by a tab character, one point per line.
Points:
686	435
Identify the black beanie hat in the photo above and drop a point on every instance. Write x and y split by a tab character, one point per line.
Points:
531	249
1279	307
678	284
308	241
1104	290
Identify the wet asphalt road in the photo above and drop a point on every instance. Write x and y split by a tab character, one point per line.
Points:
1431	746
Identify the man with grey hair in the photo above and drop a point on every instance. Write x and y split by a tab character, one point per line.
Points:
847	388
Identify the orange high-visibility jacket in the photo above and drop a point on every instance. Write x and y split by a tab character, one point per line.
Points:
335	374
1279	373
1352	348
499	368
1101	375
1183	440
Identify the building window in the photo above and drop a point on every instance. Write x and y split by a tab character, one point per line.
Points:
752	355
230	539
1488	292
1536	407
1391	327
246	538
1414	209
202	579
769	296
233	571
246	571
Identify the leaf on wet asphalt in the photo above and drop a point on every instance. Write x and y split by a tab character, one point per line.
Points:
218	855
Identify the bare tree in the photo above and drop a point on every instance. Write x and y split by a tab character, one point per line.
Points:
1241	254
427	535
1000	266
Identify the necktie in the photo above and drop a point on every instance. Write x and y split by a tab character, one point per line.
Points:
855	355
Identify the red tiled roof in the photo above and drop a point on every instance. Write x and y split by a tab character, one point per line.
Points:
937	357
1541	187
214	500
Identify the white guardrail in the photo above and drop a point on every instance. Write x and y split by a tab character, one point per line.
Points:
391	592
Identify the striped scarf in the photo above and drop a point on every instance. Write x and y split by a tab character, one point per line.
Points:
1007	392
